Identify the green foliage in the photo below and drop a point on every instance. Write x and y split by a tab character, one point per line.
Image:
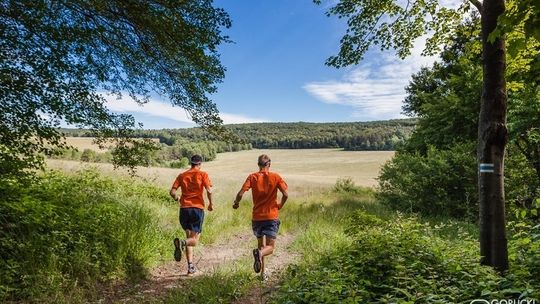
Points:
60	59
88	155
376	135
445	98
182	163
522	183
524	248
392	25
434	173
524	122
346	185
435	170
520	16
399	261
64	232
175	156
440	183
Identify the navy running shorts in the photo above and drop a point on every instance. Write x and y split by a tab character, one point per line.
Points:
191	219
269	228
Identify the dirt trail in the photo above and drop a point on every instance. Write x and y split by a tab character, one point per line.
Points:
282	257
170	275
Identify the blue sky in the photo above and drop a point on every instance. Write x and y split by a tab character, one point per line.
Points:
276	72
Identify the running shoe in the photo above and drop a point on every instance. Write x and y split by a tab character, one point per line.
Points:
257	264
177	250
191	269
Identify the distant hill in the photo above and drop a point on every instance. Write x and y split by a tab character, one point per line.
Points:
377	135
374	135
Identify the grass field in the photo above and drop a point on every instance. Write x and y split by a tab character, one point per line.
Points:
82	143
318	168
307	172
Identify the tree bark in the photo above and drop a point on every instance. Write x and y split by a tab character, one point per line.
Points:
492	139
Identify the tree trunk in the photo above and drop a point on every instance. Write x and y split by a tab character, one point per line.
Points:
492	139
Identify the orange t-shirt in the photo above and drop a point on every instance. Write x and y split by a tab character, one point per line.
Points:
264	186
192	183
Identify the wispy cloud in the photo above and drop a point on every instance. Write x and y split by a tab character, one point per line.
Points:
375	89
158	108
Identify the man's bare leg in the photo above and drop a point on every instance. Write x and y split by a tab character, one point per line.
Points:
192	239
266	247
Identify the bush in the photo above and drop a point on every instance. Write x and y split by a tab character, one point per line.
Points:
88	155
441	183
64	231
522	185
398	261
182	163
346	185
524	256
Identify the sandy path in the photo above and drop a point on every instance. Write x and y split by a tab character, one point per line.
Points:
172	275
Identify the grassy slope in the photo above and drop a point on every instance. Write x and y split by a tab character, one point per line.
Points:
62	234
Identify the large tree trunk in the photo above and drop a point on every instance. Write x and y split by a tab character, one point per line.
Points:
492	139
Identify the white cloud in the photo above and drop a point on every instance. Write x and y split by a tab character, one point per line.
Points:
375	89
166	110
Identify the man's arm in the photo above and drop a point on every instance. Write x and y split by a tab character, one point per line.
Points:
173	194
238	198
209	196
284	197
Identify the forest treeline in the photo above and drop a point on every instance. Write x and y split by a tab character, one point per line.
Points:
177	145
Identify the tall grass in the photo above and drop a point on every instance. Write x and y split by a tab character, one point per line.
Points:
224	285
319	221
70	232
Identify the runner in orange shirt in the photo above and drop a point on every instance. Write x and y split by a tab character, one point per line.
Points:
265	216
191	183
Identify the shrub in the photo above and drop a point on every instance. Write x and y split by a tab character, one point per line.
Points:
88	155
522	185
397	261
524	256
443	182
182	163
346	185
